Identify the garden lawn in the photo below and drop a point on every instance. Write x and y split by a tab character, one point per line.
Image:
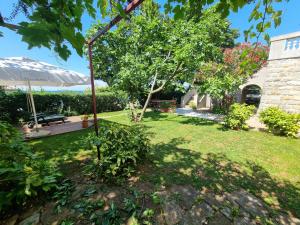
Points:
200	152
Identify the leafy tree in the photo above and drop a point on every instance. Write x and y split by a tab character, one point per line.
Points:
246	59
144	56
222	80
217	80
56	24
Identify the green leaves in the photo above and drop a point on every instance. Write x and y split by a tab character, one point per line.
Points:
22	173
264	15
280	122
178	12
217	80
130	56
55	23
222	80
52	23
103	7
238	115
62	194
121	148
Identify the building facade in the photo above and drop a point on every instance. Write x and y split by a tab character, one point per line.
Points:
279	80
278	83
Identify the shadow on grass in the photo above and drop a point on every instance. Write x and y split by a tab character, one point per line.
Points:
197	121
175	165
63	148
155	116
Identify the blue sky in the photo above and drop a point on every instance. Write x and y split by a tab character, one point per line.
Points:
11	44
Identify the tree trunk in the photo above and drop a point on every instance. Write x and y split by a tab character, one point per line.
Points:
134	116
148	98
152	91
145	106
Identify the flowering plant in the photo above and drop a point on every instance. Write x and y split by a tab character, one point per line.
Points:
246	59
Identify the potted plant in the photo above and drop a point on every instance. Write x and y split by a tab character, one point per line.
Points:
24	126
85	121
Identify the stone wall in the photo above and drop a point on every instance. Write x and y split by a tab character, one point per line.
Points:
279	80
281	85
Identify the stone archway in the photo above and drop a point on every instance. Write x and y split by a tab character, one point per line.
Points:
251	94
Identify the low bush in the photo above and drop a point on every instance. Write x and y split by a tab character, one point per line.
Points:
218	110
121	147
280	122
166	104
238	115
192	105
22	173
70	112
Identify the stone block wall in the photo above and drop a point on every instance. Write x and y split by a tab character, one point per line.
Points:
281	85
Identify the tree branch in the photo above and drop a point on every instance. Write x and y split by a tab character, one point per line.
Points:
263	22
149	97
9	25
167	57
175	72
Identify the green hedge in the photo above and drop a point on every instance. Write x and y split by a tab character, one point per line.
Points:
11	103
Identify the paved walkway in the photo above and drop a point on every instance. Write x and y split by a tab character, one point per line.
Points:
72	123
183	204
203	115
253	122
178	205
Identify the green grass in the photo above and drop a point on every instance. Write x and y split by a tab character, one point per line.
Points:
278	155
200	152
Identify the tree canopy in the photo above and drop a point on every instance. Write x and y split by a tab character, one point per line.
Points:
221	80
57	24
144	55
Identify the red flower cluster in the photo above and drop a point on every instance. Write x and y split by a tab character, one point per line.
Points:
246	58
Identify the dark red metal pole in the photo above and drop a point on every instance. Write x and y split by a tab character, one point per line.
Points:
94	97
130	7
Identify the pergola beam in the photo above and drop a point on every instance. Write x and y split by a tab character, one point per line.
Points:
130	7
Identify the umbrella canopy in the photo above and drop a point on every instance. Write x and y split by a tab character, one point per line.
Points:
24	71
20	71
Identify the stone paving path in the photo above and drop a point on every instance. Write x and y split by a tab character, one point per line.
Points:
180	205
203	115
184	205
253	122
72	123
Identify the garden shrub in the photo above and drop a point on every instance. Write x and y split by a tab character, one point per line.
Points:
4	115
121	147
22	173
73	103
69	112
166	105
192	105
280	122
238	115
217	109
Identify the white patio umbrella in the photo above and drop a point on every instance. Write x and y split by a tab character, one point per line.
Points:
28	72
